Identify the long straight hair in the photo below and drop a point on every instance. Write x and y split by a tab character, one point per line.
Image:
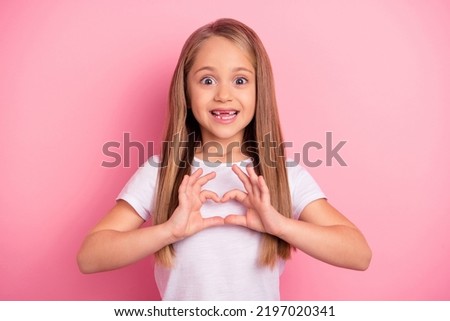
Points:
263	139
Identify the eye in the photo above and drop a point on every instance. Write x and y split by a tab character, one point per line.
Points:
207	81
241	81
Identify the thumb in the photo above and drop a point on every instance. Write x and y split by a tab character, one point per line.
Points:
233	219
213	221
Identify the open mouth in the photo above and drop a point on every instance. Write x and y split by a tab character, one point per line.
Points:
224	114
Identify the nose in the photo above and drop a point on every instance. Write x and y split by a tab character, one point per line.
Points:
223	93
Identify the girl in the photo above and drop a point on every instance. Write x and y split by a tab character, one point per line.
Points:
226	205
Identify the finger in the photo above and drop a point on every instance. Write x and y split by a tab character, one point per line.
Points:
192	185
182	191
183	185
254	180
243	177
213	221
206	194
240	220
194	177
206	178
235	194
251	171
197	173
265	193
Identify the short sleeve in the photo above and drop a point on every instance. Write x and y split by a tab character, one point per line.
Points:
140	189
304	188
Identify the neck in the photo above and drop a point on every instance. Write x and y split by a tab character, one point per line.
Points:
226	153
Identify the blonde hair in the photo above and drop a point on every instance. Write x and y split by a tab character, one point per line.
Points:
183	133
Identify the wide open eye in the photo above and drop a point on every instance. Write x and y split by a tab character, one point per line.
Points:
240	81
207	81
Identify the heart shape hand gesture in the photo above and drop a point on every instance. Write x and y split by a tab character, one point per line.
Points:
260	216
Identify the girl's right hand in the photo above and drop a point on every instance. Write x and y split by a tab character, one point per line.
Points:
186	220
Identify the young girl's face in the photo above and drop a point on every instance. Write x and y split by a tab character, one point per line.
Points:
222	89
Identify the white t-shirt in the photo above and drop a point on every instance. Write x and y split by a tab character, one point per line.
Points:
219	263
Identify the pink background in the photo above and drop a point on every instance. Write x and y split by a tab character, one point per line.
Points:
77	74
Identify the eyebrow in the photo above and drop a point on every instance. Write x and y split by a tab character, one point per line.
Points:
209	68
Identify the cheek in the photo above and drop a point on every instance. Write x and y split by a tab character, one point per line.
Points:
197	94
191	92
196	102
192	97
250	98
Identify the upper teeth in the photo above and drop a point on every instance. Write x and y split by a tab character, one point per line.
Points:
219	113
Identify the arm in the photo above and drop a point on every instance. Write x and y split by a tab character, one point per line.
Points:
321	232
117	240
327	235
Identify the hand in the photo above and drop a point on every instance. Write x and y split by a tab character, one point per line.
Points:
186	220
261	216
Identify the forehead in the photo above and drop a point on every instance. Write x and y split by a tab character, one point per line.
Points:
218	50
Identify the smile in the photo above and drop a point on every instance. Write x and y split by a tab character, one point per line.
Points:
224	114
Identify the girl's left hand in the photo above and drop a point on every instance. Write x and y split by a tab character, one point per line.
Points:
261	216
